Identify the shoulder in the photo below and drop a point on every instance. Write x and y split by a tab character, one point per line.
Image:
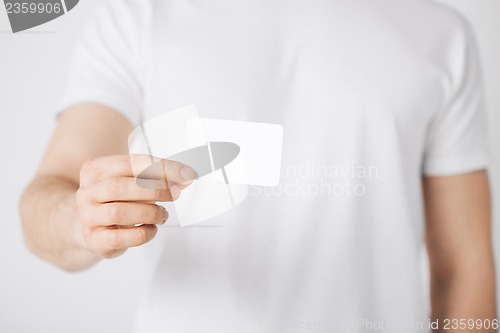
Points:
433	18
443	16
428	28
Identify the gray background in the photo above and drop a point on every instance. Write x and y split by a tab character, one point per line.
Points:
35	297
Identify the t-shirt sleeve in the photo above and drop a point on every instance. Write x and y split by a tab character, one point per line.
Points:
106	62
457	140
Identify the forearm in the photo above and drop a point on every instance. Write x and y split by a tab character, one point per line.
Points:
50	220
467	295
459	244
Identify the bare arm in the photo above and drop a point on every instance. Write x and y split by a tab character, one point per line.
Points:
459	244
83	204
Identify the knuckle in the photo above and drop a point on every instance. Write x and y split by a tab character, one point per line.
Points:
114	239
87	222
95	243
126	160
114	187
80	196
161	194
142	236
87	217
145	234
87	237
107	254
87	195
89	172
87	168
114	214
92	242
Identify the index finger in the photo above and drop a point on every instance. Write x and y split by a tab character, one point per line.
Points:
138	166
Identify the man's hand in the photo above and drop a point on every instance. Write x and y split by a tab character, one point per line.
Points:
115	211
76	212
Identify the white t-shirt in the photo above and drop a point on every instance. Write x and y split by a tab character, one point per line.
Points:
371	95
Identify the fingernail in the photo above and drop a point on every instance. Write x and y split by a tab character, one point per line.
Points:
164	214
187	173
175	192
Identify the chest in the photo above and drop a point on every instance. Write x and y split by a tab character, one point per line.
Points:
322	76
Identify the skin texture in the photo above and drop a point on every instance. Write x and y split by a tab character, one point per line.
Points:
83	205
459	244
